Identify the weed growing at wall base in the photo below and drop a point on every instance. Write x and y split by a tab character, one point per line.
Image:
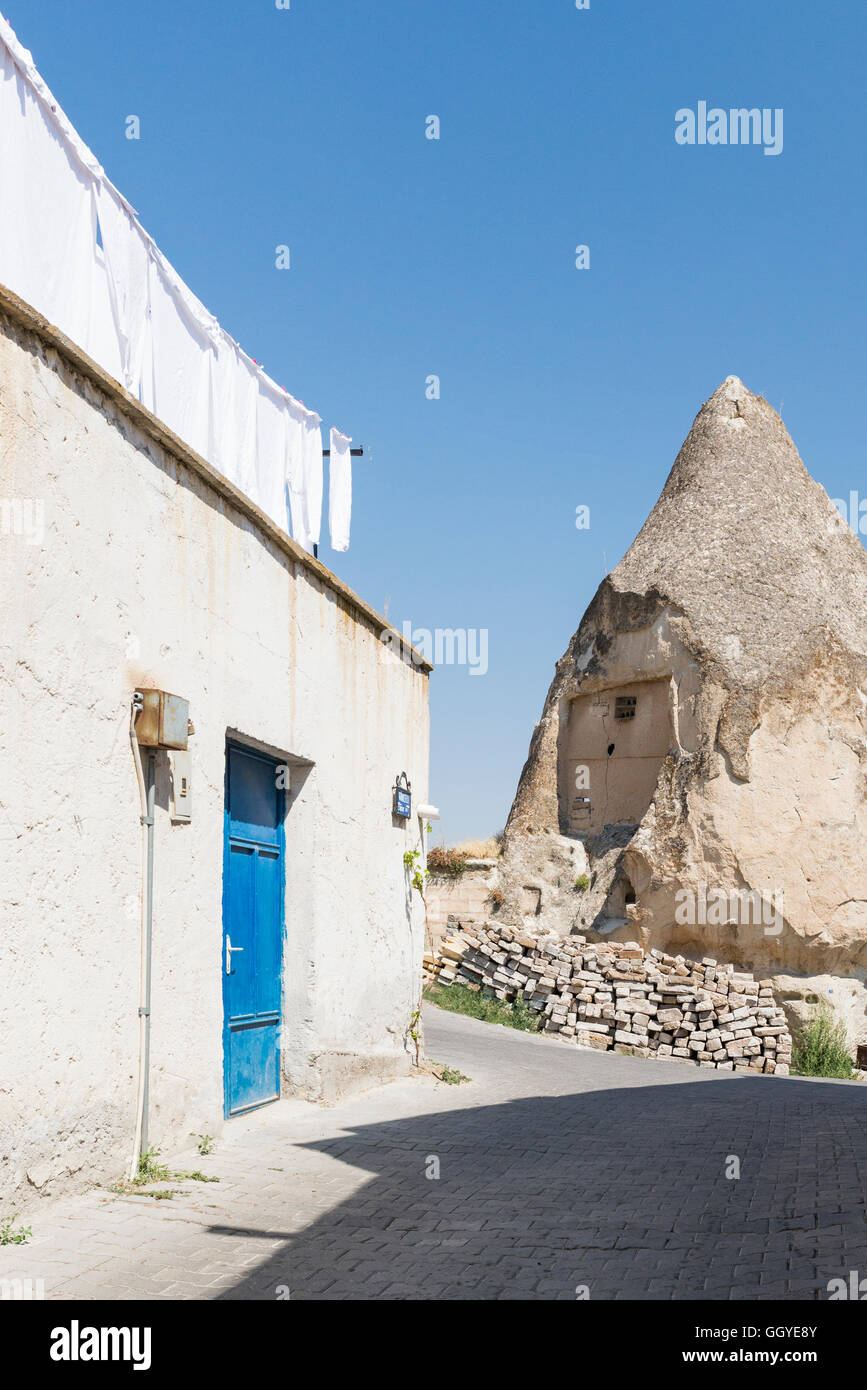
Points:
10	1234
150	1171
822	1048
450	1075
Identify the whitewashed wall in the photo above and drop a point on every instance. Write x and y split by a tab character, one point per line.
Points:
147	575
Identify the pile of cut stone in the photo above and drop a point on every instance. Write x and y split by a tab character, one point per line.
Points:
613	995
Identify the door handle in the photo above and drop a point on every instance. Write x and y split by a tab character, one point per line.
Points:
229	949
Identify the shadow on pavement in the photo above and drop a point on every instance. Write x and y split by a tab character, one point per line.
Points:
623	1191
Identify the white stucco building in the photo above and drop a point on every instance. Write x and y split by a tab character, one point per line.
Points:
127	563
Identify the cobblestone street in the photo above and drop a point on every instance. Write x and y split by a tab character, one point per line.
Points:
558	1168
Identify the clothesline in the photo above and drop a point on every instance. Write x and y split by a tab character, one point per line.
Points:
72	246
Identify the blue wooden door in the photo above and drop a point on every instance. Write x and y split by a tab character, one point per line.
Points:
252	929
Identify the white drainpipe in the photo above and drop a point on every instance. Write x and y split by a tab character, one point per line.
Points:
146	801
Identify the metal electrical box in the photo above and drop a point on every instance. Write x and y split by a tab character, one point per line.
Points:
163	721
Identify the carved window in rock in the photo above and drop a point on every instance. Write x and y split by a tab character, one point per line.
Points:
624	706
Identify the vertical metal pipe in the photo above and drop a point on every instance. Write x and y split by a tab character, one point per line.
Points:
135	711
149	926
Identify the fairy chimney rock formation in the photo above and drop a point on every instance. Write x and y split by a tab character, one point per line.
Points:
698	778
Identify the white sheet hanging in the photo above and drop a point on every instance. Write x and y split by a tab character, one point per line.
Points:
271	456
229	393
294	470
104	346
339	490
47	214
311	453
126	249
246	424
124	304
304	473
181	346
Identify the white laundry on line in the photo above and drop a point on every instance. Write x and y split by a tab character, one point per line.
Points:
126	306
339	490
47	213
304	478
126	251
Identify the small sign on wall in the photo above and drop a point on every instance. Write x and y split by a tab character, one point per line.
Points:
402	804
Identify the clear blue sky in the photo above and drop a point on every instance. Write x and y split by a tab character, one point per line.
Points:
412	257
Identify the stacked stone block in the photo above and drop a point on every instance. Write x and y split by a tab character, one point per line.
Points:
615	996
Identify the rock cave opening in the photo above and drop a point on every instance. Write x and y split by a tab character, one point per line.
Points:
612	744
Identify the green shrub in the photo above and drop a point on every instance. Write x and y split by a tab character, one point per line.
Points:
582	883
13	1235
457	999
450	1075
149	1169
822	1048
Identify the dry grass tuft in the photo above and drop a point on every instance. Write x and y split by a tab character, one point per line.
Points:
481	849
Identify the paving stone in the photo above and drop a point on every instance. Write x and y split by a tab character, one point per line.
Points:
559	1167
